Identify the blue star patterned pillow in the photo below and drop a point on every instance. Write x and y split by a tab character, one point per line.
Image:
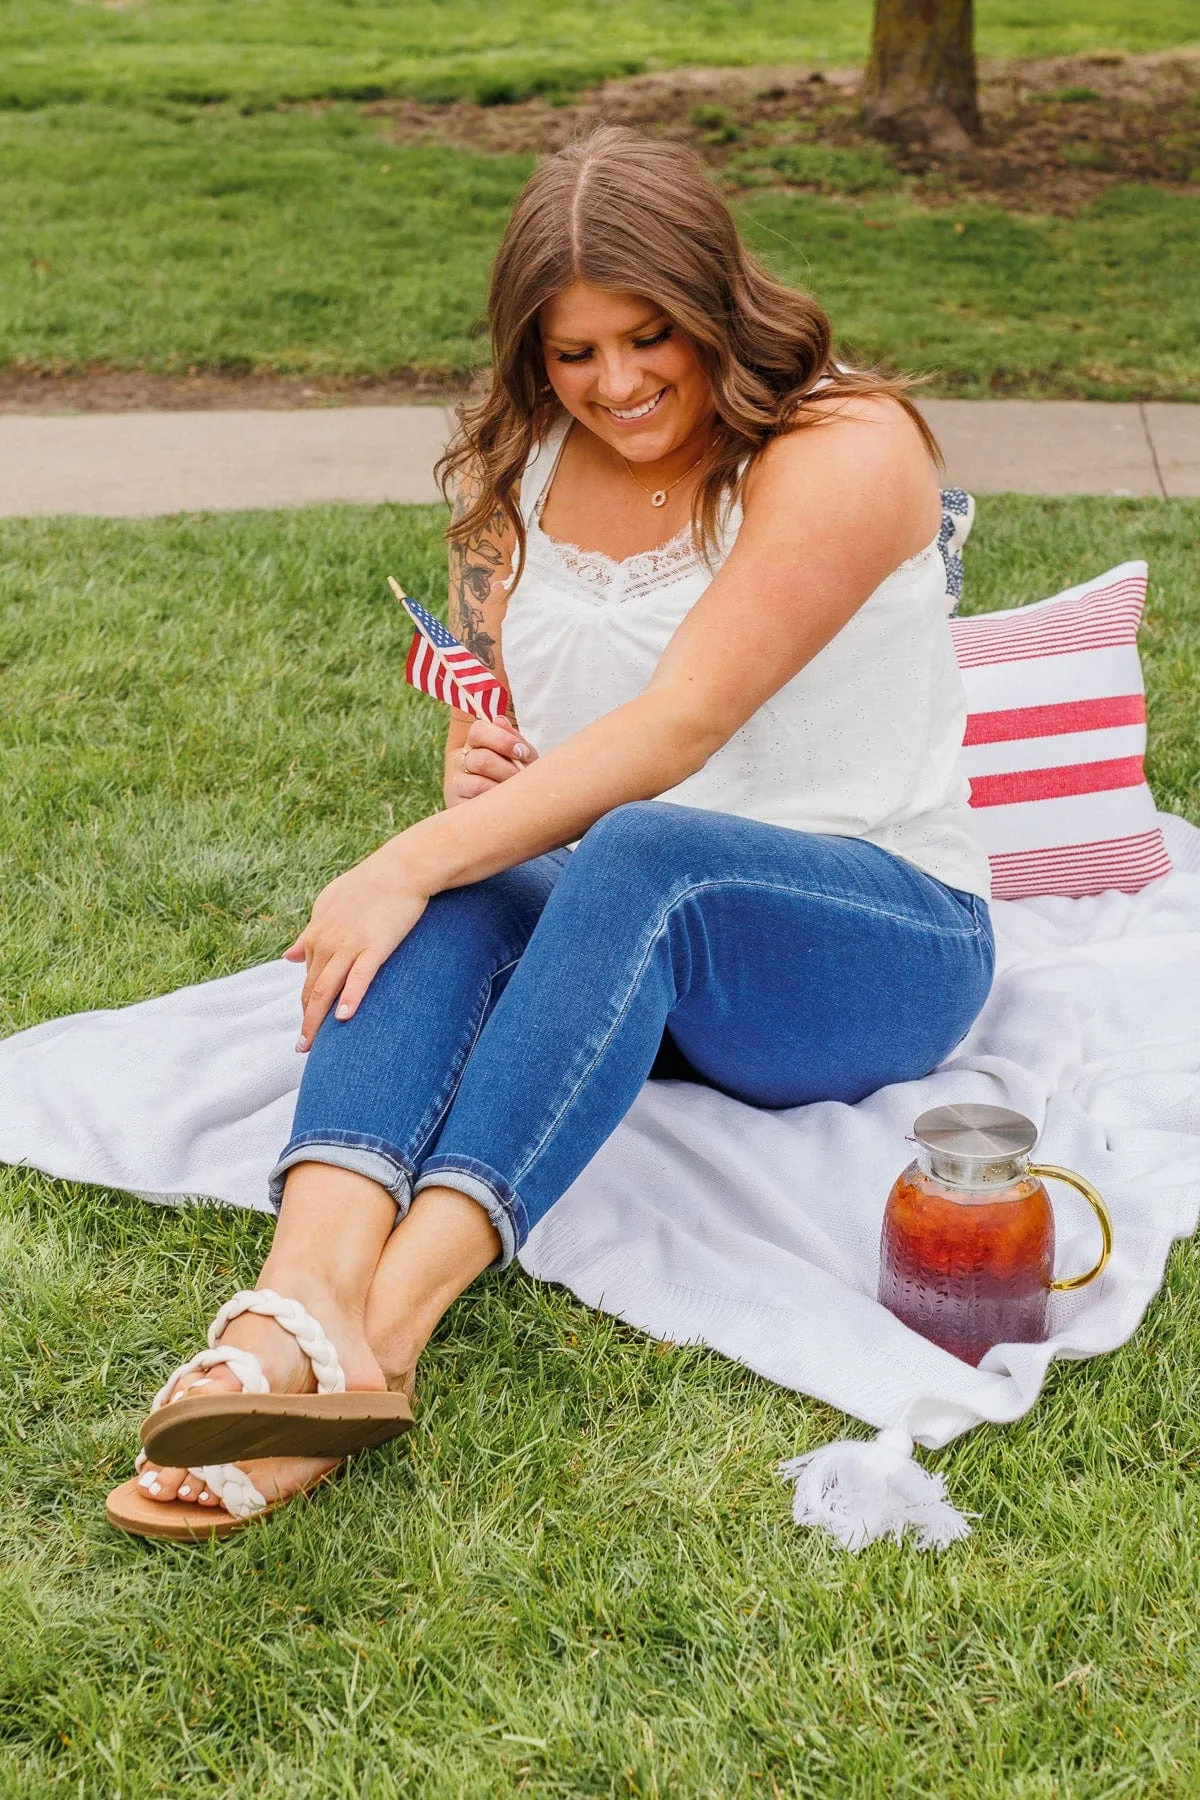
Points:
958	516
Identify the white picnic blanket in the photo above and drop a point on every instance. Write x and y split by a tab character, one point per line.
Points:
707	1221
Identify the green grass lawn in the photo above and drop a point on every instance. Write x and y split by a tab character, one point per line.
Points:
578	1577
294	49
305	242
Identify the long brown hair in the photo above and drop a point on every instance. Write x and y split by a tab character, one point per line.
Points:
633	214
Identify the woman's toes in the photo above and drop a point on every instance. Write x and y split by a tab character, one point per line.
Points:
175	1484
220	1379
163	1484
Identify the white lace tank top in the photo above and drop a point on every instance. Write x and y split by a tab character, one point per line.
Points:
864	742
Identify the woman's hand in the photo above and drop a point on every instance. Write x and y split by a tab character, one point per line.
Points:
489	754
357	921
361	917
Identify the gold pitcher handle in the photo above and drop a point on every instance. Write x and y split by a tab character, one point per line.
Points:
1051	1171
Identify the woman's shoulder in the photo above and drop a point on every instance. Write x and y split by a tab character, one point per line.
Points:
865	443
877	426
854	468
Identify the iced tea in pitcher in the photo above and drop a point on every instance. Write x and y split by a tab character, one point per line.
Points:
967	1255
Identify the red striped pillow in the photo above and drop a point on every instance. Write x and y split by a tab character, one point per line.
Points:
1056	733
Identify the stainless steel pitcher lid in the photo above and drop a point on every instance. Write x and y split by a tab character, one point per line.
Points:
978	1145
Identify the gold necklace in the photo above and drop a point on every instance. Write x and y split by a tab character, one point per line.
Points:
658	496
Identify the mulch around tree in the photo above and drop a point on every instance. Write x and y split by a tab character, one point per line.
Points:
1056	131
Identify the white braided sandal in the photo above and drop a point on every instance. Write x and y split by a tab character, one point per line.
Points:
204	1432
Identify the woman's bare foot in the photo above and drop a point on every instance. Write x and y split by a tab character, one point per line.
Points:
289	1372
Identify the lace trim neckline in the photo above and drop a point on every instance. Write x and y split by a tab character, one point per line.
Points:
678	551
599	571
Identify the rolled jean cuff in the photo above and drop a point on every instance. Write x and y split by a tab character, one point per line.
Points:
360	1154
492	1192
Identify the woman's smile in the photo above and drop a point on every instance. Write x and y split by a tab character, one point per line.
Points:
633	415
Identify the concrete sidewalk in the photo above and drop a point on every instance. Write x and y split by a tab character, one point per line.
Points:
130	465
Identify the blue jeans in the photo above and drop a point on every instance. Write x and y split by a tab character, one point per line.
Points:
509	1034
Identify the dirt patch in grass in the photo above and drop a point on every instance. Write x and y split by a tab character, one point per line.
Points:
108	390
1057	131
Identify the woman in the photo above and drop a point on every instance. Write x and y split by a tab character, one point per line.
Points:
703	558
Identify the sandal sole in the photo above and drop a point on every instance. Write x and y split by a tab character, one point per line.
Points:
221	1428
129	1509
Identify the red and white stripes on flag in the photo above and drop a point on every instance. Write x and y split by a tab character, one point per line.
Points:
1056	734
439	665
461	687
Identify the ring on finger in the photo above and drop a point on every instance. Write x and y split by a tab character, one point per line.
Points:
462	757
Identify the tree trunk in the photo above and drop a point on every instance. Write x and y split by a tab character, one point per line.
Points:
920	84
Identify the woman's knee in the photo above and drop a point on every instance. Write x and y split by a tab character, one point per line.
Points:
480	928
628	880
636	848
506	905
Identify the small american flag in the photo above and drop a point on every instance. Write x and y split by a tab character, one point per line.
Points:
442	667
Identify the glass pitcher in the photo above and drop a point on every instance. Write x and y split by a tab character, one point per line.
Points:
967	1257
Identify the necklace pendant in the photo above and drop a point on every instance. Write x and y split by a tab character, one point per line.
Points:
659	497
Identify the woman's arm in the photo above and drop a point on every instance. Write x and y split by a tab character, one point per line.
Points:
829	512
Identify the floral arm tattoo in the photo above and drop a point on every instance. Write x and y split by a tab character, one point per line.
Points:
475	563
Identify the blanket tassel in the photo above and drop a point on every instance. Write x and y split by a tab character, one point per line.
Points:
861	1490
